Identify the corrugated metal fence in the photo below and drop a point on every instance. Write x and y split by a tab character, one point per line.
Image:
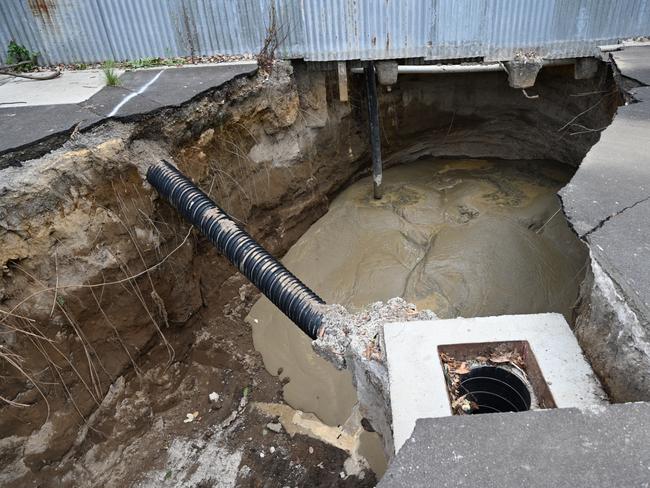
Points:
75	31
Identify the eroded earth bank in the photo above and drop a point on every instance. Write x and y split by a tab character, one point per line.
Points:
119	320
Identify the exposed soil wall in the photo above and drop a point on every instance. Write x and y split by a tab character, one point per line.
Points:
83	215
100	280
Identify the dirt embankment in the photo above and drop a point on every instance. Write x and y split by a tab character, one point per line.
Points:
114	313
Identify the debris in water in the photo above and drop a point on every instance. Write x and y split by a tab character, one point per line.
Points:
275	427
214	397
311	450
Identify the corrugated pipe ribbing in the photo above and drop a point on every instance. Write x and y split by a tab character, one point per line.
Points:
277	283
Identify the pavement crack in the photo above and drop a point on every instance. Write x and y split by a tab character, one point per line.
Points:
610	217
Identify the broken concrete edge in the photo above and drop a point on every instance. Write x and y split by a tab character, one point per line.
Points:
612	314
15	156
613	336
623	68
356	341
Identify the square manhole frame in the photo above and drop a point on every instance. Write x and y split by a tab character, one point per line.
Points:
471	351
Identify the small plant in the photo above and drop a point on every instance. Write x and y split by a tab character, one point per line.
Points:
112	78
266	56
139	63
275	36
19	54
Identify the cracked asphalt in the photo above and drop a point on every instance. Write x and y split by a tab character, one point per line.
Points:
608	199
140	93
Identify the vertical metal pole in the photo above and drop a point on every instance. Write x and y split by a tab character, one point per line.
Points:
373	122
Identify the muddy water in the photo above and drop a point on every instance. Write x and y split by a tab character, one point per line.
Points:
463	238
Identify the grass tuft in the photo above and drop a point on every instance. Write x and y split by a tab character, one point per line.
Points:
112	78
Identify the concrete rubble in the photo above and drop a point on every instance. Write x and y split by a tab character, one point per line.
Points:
356	342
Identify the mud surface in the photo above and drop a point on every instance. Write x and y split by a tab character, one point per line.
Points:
460	237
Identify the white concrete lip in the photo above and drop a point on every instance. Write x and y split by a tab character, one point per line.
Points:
417	382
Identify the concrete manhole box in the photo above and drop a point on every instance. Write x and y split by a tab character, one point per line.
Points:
549	365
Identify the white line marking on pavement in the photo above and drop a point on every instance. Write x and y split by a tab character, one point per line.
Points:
142	89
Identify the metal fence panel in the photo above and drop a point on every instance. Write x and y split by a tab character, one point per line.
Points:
75	31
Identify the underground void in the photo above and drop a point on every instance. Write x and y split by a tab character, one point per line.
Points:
493	389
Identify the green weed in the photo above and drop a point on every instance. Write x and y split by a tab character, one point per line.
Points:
112	78
17	53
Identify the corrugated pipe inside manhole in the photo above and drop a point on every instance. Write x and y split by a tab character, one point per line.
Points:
495	389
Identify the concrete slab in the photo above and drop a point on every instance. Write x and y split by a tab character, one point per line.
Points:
175	86
615	174
562	448
117	101
634	62
141	93
20	126
417	382
70	87
623	247
607	203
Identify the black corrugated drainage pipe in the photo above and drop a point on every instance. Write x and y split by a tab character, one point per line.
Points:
277	283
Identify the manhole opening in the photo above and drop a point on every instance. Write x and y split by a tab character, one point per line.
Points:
492	377
494	389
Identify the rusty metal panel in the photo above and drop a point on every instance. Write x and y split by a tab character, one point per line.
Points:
68	31
73	31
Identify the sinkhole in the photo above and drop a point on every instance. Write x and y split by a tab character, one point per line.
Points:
469	225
